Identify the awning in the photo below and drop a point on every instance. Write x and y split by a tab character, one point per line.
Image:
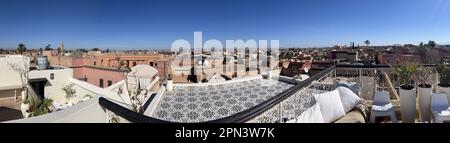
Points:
38	80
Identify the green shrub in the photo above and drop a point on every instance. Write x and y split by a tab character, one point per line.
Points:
405	73
444	73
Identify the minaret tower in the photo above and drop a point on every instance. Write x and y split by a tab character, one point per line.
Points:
62	49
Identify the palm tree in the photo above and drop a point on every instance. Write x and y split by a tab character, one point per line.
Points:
422	52
21	48
432	44
40	107
48	47
367	42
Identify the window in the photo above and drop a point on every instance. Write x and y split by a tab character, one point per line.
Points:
109	82
100	83
52	76
95	63
156	64
151	64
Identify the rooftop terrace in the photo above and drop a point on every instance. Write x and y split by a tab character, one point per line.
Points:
252	100
209	102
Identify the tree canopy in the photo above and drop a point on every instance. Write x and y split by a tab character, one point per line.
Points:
432	44
48	47
367	42
21	48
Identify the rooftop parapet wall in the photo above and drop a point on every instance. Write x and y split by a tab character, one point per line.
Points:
11	79
86	112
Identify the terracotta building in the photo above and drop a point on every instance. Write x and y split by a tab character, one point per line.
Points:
398	56
101	77
111	60
101	69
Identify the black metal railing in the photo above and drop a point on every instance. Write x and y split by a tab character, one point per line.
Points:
126	113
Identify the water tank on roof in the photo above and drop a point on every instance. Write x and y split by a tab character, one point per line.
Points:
42	62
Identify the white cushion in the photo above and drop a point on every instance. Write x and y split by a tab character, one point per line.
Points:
311	115
354	86
330	105
348	98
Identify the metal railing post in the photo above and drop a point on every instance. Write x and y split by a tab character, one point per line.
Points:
281	111
360	78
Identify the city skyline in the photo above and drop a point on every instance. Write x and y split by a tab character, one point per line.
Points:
156	24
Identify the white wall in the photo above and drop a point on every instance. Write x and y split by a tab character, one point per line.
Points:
82	92
86	112
10	93
11	79
100	91
53	88
235	80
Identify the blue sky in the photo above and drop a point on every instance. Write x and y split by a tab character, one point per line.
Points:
155	24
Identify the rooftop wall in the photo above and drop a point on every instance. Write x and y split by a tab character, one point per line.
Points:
12	79
94	75
53	88
86	112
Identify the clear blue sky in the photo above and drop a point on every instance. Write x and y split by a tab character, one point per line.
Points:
147	24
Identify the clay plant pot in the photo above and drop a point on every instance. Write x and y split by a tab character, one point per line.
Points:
24	107
408	103
424	93
444	88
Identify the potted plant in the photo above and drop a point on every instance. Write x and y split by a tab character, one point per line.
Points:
169	85
41	107
70	93
424	91
25	108
404	74
444	79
